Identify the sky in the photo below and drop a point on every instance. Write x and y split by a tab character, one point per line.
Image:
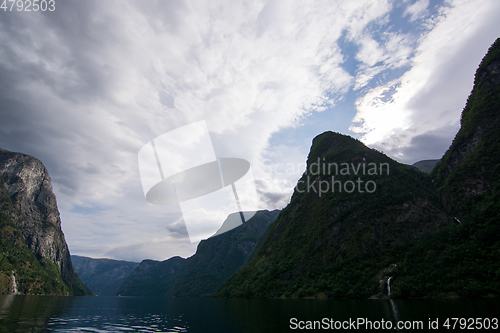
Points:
86	86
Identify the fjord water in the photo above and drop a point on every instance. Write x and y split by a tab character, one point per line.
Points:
130	314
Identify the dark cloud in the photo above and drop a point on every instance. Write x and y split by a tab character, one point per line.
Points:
270	198
166	99
133	252
427	146
178	229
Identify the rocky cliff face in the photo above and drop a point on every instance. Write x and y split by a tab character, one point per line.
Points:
34	212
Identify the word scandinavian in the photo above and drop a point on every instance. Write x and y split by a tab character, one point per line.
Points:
319	168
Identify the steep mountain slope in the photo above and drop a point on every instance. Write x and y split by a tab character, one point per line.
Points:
463	260
353	214
215	260
468	172
30	221
102	276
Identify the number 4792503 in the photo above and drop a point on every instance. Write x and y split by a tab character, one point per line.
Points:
471	323
28	5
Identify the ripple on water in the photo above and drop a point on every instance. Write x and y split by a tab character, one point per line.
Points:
147	324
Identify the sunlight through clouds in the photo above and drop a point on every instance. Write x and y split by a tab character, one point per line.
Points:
86	86
429	96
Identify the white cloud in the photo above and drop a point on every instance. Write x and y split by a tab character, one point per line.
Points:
89	85
113	77
375	57
433	92
417	10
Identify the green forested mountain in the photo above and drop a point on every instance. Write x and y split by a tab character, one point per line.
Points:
429	235
215	260
463	260
153	278
353	214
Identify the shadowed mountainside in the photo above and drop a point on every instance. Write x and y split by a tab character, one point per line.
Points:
215	260
102	276
353	215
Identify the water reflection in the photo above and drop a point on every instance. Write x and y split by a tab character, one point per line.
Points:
5	304
30	313
118	314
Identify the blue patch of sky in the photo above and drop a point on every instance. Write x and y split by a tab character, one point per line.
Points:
336	119
435	5
349	49
399	23
85	210
387	95
339	117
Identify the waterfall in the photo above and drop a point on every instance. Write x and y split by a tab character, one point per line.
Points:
389	286
14	285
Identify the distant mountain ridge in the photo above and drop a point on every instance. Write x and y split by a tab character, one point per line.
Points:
34	255
215	260
425	165
153	278
102	276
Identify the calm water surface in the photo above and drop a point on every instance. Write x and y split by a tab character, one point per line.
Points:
127	314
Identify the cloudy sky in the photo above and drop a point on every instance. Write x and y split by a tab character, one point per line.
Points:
84	87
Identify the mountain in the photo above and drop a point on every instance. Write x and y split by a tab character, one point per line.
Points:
352	215
215	260
467	174
426	165
231	222
463	260
102	276
153	278
34	255
424	235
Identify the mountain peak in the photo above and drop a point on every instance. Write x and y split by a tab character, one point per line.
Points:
337	241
